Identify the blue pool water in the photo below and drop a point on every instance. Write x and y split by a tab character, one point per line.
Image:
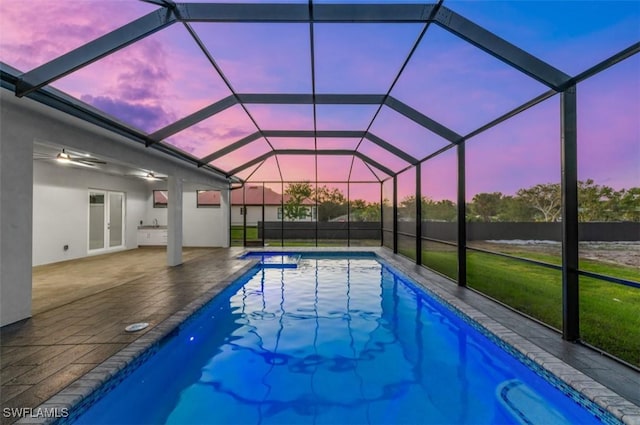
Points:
331	341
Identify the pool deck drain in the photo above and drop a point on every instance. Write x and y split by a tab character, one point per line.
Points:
518	332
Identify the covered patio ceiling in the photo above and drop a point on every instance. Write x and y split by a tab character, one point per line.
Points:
239	88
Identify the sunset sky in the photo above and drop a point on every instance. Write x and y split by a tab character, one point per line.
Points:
164	77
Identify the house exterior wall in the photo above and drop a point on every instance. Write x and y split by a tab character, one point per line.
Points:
61	205
202	227
254	215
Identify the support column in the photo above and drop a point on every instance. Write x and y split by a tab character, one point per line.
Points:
395	214
225	207
16	223
419	214
569	185
381	215
462	218
174	222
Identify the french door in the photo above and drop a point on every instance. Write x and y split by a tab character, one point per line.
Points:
106	220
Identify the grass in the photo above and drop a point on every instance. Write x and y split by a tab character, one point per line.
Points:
609	313
236	233
595	266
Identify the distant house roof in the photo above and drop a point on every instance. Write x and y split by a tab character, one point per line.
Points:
253	196
160	197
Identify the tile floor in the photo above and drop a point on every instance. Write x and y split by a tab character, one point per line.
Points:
44	354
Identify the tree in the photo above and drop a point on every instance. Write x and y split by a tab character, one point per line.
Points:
486	205
297	193
515	209
407	209
597	203
629	204
331	203
363	211
443	210
544	198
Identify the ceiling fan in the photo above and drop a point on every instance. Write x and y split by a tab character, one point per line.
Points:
65	157
148	175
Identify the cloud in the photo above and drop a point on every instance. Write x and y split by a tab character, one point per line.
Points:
36	31
141	116
214	133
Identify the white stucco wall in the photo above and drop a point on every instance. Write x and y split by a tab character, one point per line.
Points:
60	209
254	214
204	227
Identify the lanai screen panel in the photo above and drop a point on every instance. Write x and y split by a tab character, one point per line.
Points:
350	143
260	57
33	33
439	194
364	214
360	58
292	142
214	133
334	167
595	30
297	168
248	172
282	117
242	155
361	172
151	83
513	176
459	85
406	134
609	158
344	117
382	156
268	171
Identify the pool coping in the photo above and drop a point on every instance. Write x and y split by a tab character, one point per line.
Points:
87	389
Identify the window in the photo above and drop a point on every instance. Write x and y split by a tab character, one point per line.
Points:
160	198
208	198
241	210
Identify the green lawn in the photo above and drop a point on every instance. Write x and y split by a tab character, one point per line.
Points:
609	313
595	266
236	233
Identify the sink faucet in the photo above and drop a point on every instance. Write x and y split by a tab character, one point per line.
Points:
155	222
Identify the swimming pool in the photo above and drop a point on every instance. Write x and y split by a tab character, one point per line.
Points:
331	340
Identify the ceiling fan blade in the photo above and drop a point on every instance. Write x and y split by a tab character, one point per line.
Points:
89	160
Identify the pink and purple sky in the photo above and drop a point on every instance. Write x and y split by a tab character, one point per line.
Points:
156	81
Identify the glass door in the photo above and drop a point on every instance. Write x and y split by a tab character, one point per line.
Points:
115	224
97	218
106	220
